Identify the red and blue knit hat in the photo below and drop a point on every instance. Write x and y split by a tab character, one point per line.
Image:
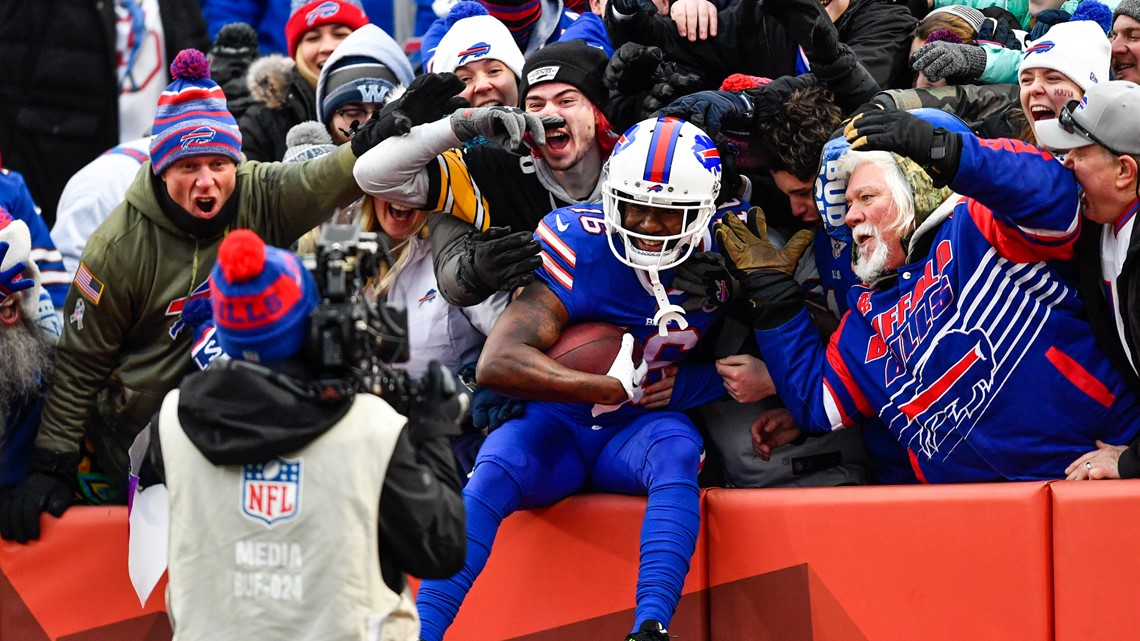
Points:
306	16
192	117
261	297
519	16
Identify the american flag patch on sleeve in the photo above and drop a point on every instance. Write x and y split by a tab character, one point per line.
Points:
90	286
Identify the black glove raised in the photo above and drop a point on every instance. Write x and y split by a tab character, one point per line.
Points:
764	272
429	98
936	150
673	81
809	25
633	68
439	406
705	278
712	110
48	487
497	260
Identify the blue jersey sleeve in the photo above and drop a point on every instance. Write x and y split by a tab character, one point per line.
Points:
1024	201
17	201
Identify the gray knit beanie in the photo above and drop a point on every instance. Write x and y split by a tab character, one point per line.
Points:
1130	8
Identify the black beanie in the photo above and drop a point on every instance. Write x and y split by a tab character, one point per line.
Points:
573	62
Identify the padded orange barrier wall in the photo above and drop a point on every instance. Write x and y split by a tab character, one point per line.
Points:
1096	561
1006	561
881	563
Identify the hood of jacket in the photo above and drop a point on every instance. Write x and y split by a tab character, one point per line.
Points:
372	42
268	80
268	417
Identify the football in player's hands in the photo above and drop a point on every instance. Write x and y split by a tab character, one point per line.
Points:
590	347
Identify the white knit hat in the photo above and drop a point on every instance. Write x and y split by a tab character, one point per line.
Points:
477	38
1079	49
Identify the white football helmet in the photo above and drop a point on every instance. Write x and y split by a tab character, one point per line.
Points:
666	163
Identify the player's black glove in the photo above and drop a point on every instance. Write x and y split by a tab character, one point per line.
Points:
764	272
712	110
673	81
497	260
429	98
633	68
438	407
937	150
705	278
46	488
809	25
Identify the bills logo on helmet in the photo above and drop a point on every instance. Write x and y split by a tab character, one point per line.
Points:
199	136
654	188
271	491
323	10
477	50
626	139
1040	47
706	152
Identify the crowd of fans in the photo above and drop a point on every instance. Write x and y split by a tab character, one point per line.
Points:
920	269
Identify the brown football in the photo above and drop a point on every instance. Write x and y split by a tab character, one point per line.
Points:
590	347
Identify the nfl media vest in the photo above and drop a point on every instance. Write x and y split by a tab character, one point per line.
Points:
285	549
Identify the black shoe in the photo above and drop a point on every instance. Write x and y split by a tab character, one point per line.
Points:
649	631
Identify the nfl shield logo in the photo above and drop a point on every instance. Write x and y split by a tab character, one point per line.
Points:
271	491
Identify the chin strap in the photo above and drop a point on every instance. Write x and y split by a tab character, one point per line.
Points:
666	311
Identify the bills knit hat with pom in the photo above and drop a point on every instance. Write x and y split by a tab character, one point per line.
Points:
192	118
261	297
573	62
1079	49
307	16
475	37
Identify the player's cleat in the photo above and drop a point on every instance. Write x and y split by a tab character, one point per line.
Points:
649	631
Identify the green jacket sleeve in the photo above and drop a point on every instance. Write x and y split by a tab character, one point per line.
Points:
285	200
94	330
1001	65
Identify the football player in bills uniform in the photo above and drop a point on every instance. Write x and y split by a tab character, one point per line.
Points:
610	263
967	337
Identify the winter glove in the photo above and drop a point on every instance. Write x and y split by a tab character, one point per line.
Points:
999	31
633	68
497	260
809	25
438	407
429	98
938	60
711	110
730	180
705	278
630	7
235	42
46	488
506	127
490	410
673	82
1045	20
630	374
937	150
10	279
772	98
764	272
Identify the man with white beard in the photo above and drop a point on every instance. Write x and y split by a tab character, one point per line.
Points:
966	338
28	331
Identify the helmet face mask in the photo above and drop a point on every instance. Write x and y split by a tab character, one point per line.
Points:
669	165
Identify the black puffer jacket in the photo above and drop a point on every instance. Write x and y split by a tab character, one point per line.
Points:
879	32
59	96
281	99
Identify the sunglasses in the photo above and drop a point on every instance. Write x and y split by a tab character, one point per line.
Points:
1070	125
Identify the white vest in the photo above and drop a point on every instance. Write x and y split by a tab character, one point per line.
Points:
288	549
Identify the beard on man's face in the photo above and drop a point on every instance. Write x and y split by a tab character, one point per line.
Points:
28	358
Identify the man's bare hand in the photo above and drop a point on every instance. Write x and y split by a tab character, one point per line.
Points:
773	429
696	19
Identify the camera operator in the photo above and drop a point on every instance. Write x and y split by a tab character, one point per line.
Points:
296	506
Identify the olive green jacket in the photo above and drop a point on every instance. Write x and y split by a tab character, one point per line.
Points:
123	346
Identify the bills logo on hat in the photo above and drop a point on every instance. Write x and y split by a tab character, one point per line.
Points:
323	10
706	152
271	491
199	136
1040	47
477	50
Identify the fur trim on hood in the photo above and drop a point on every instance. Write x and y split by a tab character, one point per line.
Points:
268	80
